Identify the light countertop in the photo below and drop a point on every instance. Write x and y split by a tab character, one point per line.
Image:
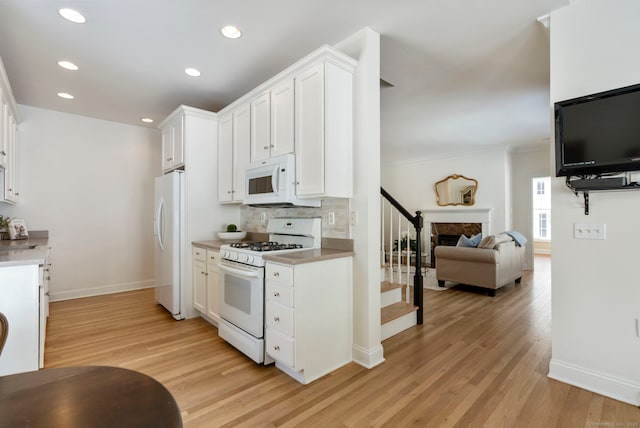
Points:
332	249
11	253
307	256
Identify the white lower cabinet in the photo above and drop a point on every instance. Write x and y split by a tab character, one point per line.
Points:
205	283
308	316
212	285
199	279
24	302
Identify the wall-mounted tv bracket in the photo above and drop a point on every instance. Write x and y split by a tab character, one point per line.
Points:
599	185
585	193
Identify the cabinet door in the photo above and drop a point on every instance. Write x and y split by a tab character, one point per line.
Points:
261	127
282	118
199	285
225	159
10	170
213	257
309	131
167	147
241	149
178	140
4	111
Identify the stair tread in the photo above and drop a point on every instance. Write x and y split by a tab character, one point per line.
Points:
396	310
388	286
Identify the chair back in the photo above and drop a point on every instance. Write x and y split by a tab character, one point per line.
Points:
4	330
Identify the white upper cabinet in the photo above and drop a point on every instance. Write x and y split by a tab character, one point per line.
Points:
324	131
9	142
4	111
272	122
233	153
306	109
241	147
282	114
173	144
261	127
225	158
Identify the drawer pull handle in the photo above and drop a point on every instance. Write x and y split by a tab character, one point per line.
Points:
277	348
276	294
276	319
276	274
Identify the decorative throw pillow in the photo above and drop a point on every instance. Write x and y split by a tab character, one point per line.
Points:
469	242
475	239
492	240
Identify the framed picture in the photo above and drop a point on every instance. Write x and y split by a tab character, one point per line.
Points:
17	229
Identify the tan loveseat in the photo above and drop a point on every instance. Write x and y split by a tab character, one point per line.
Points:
489	268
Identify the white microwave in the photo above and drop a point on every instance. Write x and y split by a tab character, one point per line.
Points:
272	182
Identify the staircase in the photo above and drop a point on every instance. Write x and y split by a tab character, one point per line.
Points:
401	268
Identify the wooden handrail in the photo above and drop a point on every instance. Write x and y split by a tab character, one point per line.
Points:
418	280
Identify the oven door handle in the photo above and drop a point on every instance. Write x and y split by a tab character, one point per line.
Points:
241	272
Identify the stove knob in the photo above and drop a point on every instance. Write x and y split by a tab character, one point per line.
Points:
249	259
243	258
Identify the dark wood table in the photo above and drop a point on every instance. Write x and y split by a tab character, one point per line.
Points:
88	396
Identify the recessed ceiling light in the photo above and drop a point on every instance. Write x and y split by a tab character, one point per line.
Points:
231	32
192	72
72	15
65	95
68	65
147	120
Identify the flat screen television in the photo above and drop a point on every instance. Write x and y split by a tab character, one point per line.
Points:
598	134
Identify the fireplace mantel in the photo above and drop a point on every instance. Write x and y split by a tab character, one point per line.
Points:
459	215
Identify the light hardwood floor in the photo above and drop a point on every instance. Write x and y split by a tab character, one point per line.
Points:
476	361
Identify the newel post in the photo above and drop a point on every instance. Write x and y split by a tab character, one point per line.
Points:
418	292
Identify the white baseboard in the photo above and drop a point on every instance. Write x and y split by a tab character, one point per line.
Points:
97	291
600	383
368	358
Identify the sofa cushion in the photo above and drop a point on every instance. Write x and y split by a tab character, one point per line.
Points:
469	242
492	241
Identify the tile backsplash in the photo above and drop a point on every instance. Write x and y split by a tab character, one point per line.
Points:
252	217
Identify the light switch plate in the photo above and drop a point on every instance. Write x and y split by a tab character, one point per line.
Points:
589	231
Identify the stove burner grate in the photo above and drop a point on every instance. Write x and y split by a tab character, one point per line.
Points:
265	246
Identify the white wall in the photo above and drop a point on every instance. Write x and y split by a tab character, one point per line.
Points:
365	47
90	183
412	183
595	292
527	164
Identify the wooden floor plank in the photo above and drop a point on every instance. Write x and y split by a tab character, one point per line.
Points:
476	361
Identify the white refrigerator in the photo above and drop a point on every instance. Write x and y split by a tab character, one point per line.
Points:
169	234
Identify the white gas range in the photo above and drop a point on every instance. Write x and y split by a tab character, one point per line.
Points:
242	281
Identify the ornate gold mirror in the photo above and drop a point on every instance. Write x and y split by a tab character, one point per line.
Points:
456	190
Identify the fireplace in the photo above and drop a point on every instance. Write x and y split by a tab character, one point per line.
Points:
451	223
449	234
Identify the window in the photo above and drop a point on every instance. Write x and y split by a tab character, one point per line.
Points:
542	208
542	225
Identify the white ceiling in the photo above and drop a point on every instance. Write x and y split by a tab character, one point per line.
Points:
467	74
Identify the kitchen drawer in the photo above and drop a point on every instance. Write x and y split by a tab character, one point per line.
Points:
213	257
281	347
282	274
279	294
199	254
279	317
